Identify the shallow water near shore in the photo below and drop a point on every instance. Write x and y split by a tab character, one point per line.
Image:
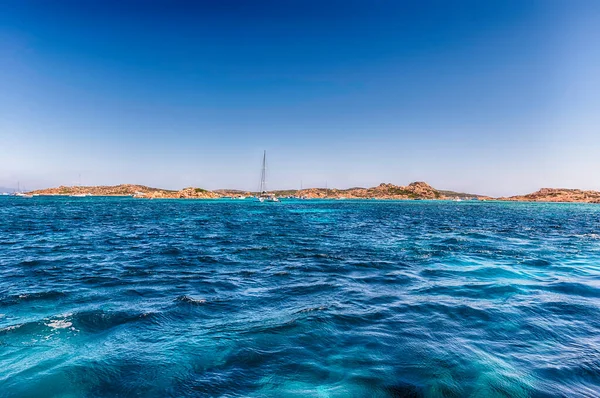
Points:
107	297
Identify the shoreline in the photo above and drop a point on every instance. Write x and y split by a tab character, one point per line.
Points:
251	199
385	191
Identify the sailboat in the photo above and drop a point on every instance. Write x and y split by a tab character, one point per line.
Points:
264	196
20	193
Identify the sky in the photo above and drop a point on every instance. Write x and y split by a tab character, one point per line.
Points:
489	97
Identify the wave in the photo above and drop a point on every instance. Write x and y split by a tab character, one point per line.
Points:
404	390
476	291
29	297
537	263
94	321
190	300
574	289
35	262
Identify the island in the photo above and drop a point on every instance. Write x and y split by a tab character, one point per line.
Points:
557	195
414	191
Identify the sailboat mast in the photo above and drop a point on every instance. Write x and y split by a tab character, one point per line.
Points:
263	176
263	195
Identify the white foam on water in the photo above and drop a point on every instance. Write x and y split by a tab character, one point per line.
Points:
59	324
13	327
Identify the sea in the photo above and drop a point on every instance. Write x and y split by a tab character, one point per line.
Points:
123	297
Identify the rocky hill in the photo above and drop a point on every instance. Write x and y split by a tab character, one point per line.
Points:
558	195
415	190
234	193
140	191
197	193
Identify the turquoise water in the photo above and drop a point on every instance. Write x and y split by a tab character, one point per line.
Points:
117	297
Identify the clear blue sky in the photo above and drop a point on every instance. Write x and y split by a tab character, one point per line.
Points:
493	97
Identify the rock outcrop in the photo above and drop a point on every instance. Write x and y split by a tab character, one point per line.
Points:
415	190
137	191
197	193
557	195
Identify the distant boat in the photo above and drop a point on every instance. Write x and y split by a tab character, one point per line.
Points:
20	193
264	196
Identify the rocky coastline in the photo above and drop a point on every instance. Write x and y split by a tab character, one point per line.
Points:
557	195
414	191
136	191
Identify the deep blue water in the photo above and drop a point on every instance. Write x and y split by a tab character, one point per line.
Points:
120	297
